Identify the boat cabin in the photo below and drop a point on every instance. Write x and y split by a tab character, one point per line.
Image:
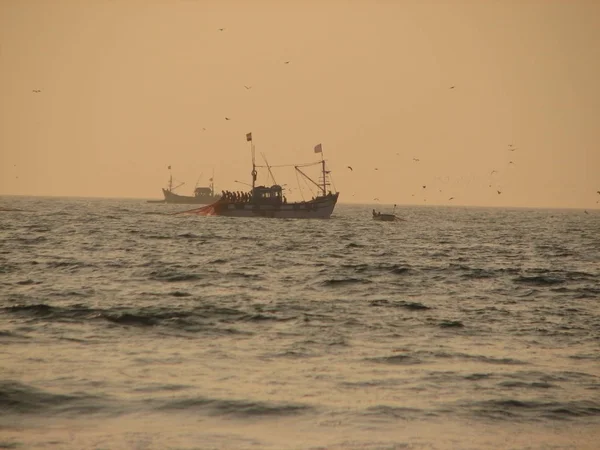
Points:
203	192
268	195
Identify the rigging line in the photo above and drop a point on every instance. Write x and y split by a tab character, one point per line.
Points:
308	178
308	186
299	187
268	167
311	187
332	182
291	165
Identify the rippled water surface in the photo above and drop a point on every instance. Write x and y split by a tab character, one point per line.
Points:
125	327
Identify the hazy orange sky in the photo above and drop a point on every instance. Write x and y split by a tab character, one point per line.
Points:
130	87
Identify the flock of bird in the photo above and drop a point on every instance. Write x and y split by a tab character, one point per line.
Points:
511	147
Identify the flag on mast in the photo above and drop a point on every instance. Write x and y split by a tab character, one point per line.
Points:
249	136
318	148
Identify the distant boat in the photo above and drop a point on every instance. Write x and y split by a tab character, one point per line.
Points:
386	217
265	201
202	195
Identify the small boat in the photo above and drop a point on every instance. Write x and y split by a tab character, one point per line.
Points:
202	195
269	201
386	217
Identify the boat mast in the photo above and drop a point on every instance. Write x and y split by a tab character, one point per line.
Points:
253	173
324	174
319	149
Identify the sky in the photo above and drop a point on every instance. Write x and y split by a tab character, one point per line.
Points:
490	103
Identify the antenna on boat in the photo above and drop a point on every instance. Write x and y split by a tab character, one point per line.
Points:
170	179
319	149
268	167
253	173
198	180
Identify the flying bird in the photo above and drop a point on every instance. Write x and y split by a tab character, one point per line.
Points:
451	198
510	162
376	168
286	62
36	91
351	168
424	186
597	192
586	211
493	172
375	198
512	149
499	192
221	29
227	118
248	87
452	87
416	160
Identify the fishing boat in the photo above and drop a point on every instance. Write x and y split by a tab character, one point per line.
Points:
202	195
386	217
270	201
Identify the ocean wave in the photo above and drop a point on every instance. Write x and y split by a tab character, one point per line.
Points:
207	318
397	412
68	265
396	360
28	282
37	240
337	282
131	319
188	236
538	280
18	398
433	355
235	408
526	385
411	306
451	324
179	294
173	276
510	409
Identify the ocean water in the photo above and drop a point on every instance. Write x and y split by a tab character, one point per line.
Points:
125	327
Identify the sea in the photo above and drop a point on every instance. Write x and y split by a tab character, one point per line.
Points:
124	326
